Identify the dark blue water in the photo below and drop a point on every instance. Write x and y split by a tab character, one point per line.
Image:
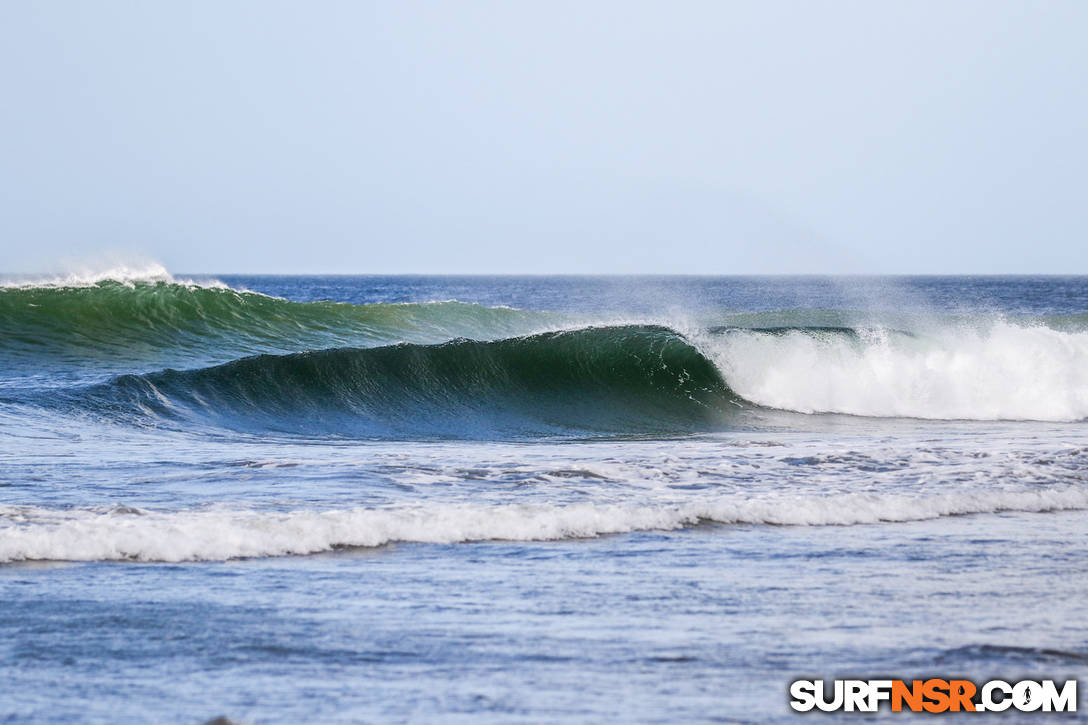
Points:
1016	295
578	499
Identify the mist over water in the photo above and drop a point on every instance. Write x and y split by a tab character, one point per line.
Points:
243	436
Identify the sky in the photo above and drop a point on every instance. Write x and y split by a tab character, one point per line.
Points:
546	137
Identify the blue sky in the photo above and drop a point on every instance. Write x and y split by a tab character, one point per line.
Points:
584	137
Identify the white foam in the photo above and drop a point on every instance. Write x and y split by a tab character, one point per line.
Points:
89	275
34	533
1000	371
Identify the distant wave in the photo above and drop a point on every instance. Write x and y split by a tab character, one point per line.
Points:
144	317
29	533
628	379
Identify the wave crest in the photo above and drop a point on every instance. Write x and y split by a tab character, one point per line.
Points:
128	275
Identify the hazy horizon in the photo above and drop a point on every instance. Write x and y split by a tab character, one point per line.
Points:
149	270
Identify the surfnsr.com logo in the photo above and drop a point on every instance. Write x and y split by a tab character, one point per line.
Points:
933	695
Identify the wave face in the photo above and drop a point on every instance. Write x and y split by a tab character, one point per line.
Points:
29	533
989	371
628	379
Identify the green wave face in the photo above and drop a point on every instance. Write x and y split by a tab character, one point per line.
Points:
628	380
111	325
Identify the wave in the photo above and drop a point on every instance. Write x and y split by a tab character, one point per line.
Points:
29	533
627	379
621	379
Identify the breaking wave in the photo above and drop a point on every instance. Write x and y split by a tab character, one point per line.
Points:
993	370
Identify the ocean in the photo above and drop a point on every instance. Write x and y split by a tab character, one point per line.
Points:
532	499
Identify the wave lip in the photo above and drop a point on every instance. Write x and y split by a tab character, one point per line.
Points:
39	534
620	380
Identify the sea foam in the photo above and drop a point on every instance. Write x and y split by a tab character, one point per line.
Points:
994	371
89	275
29	533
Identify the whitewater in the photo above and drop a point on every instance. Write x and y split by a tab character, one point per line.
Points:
353	498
